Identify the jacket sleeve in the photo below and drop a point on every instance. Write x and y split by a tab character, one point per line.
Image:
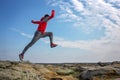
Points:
36	22
52	14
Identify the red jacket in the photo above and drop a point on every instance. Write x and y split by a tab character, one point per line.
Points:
43	22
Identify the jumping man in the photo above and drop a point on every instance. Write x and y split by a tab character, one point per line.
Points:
40	33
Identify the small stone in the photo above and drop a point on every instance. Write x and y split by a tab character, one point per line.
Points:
56	79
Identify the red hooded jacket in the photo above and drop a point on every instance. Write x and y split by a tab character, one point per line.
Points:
43	22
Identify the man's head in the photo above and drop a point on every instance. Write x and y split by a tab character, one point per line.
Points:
46	15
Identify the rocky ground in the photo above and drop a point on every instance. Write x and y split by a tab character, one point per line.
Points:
10	70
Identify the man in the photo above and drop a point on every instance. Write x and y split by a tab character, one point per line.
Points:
40	33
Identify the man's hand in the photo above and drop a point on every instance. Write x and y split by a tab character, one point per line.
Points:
32	21
53	11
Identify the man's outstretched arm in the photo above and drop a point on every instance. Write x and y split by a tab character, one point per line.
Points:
36	22
52	14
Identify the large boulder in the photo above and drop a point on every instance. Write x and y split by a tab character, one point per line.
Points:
100	72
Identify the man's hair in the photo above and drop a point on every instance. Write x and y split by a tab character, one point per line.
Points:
46	15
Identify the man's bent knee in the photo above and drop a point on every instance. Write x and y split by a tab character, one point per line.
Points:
50	33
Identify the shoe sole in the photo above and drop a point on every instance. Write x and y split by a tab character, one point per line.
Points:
53	46
20	58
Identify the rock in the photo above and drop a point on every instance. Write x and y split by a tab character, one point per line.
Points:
64	71
29	71
56	79
117	79
86	75
101	64
10	70
115	62
106	71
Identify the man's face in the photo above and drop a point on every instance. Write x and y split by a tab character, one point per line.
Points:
47	17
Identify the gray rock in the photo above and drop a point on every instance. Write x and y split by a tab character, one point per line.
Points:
89	74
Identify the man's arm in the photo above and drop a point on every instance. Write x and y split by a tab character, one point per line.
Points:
52	14
36	22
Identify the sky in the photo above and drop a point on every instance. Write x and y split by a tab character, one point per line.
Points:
85	30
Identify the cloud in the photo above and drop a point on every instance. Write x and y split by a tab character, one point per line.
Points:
68	14
90	14
97	14
21	33
78	6
104	48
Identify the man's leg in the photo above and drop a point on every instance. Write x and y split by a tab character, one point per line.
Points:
50	35
36	37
